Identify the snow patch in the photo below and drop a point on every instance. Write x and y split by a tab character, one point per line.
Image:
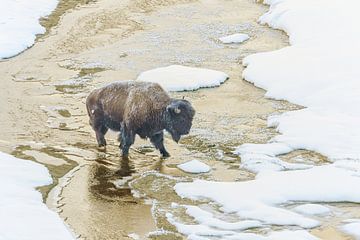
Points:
235	38
19	24
352	228
320	70
312	209
134	236
262	157
181	78
23	215
260	199
194	166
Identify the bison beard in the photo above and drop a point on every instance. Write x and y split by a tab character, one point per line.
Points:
138	108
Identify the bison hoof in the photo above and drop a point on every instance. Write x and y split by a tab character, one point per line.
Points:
102	148
165	155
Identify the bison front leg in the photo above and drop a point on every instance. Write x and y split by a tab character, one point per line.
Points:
127	139
158	141
100	132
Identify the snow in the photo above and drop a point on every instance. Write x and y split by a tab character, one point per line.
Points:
262	157
352	228
208	219
183	78
320	71
312	209
23	215
263	198
194	166
19	24
134	236
235	38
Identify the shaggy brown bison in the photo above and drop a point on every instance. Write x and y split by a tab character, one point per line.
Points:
138	108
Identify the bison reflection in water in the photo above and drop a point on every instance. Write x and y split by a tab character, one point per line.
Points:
138	108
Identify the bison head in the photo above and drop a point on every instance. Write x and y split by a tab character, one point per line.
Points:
179	118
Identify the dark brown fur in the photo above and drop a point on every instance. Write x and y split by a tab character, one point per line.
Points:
138	108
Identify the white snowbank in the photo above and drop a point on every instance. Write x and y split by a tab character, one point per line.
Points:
182	78
312	209
19	24
262	157
320	70
23	215
134	236
260	199
194	166
282	235
352	228
235	38
211	227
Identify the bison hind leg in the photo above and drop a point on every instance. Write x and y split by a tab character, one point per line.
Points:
158	141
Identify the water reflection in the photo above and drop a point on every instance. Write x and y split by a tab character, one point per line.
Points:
103	176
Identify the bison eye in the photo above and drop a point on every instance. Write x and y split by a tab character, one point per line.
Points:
173	109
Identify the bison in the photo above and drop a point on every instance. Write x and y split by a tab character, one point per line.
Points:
141	108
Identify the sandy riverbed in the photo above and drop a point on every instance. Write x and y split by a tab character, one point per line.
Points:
43	116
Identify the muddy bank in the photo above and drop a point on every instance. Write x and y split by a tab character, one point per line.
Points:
44	117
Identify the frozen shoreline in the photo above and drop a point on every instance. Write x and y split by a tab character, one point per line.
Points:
23	215
19	24
320	71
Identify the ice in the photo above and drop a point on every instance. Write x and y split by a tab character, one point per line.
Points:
262	157
261	162
19	24
312	209
134	236
271	149
182	78
282	235
263	198
208	219
192	229
235	38
194	166
23	215
320	70
352	228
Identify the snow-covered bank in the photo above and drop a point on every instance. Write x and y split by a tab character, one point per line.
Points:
264	198
352	228
183	78
23	215
19	24
320	70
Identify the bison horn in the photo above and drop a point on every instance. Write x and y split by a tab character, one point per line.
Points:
177	110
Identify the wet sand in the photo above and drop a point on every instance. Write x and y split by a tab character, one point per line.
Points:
44	117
